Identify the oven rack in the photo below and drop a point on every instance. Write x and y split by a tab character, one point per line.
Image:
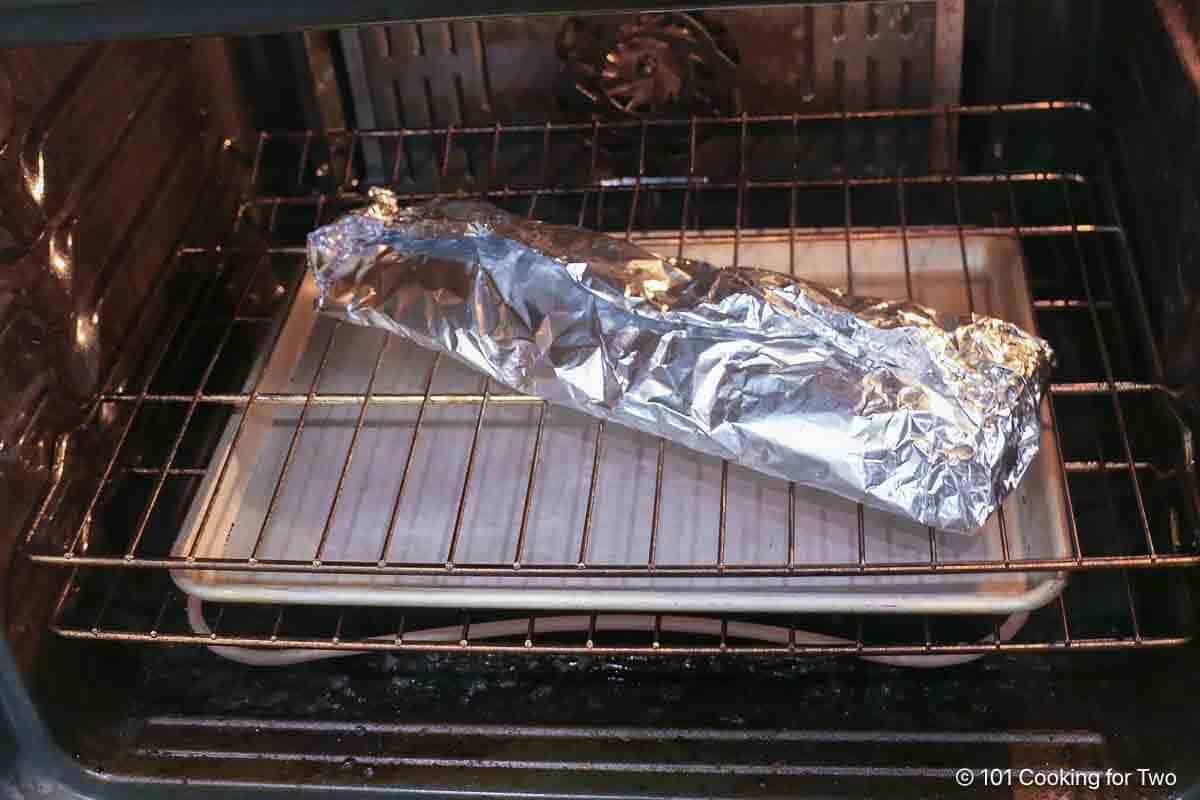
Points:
1128	466
98	609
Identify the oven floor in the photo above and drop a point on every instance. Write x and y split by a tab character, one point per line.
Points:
628	725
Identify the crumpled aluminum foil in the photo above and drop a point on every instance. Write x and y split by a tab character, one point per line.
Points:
933	417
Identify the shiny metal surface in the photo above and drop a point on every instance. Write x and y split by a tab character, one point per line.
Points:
929	416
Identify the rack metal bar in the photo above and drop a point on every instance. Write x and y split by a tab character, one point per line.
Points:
161	480
847	237
1066	624
302	166
791	527
106	603
779	640
656	514
637	184
1133	615
739	211
400	160
863	233
1110	466
722	516
354	437
1129	268
348	179
158	618
1075	388
466	487
1049	646
840	115
545	166
215	628
793	199
408	461
625	186
493	159
227	456
902	210
585	539
1071	304
606	570
952	124
1106	360
534	461
289	458
1018	231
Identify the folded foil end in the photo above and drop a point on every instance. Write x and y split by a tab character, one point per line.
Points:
929	416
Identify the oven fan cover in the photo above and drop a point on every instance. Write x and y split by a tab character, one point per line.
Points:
650	65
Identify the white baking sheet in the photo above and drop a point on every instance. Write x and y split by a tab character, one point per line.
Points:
826	527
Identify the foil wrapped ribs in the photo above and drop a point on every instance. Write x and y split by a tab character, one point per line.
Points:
933	417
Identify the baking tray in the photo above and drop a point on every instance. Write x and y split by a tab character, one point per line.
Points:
826	526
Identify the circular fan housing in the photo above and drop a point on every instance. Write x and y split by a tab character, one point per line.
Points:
652	65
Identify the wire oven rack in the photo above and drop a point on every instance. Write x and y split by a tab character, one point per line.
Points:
1126	452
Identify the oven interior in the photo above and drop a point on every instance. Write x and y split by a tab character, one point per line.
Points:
158	195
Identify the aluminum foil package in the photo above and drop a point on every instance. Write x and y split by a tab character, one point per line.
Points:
930	416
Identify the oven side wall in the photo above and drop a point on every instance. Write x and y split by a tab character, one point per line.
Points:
106	153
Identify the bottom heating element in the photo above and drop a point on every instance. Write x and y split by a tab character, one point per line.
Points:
242	443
